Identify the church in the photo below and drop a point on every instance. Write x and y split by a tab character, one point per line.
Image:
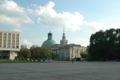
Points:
64	50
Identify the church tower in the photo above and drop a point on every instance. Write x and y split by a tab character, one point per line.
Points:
63	41
49	36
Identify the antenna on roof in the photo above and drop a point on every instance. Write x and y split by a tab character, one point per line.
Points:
63	30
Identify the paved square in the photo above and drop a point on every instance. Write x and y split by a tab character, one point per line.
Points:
60	71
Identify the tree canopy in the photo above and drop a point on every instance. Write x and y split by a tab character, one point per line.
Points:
105	45
35	53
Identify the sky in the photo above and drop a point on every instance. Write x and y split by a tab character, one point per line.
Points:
34	19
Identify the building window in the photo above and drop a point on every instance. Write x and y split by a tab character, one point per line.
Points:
17	46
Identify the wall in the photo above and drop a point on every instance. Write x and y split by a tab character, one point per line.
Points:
12	55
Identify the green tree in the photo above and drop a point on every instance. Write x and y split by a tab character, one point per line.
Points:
105	45
54	56
84	54
35	52
24	53
44	53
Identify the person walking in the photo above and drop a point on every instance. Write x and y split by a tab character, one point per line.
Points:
72	61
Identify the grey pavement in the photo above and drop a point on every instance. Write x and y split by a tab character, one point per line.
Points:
60	71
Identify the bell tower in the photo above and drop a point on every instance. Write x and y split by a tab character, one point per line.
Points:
63	41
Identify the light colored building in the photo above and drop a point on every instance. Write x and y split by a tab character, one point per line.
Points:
64	50
69	52
9	44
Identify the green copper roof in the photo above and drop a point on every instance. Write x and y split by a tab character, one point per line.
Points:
48	43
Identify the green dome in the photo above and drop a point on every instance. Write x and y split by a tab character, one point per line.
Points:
48	43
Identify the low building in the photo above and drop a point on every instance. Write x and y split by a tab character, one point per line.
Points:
9	44
69	52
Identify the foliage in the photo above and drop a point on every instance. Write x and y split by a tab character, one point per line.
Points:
38	54
13	61
105	45
54	56
35	52
84	54
24	53
44	53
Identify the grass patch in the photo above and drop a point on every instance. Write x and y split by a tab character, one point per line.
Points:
14	61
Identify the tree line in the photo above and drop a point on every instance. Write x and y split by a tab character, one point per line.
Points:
105	45
36	54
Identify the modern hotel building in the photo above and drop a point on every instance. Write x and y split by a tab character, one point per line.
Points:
9	44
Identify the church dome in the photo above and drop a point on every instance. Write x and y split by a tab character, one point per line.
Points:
48	43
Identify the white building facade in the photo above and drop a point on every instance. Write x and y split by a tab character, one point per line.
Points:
70	52
9	44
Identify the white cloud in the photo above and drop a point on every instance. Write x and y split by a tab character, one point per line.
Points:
13	14
27	43
81	41
96	26
18	30
49	17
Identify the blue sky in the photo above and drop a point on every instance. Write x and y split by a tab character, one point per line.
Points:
80	18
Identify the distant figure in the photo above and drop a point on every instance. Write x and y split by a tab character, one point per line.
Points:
72	61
